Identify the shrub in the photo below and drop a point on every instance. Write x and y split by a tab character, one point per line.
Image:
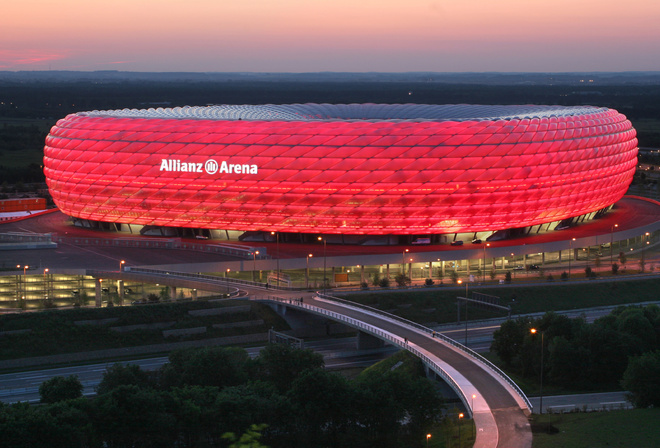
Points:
429	282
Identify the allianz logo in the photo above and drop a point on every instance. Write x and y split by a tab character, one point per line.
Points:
209	167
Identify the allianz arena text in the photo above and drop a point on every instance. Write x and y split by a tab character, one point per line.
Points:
341	169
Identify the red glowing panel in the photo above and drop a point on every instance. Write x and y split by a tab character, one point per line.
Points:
353	169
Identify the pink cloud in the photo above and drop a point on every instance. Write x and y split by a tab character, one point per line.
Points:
10	59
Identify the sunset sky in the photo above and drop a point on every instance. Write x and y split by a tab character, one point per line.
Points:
331	35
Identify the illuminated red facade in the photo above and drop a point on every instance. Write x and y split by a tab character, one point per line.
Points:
352	169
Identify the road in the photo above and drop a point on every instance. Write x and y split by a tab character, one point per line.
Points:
24	386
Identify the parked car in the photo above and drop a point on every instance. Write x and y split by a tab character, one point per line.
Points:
476	241
457	243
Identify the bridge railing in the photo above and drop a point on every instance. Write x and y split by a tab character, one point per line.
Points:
212	278
399	341
437	335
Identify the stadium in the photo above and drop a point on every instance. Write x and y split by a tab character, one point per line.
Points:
355	169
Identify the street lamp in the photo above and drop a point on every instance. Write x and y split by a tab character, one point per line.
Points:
428	436
25	281
307	271
473	397
45	284
534	331
466	310
403	262
254	263
325	280
484	267
570	255
277	239
121	265
460	419
612	240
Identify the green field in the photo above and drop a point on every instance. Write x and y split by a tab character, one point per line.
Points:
637	428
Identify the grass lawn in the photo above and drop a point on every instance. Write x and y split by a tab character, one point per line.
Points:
638	428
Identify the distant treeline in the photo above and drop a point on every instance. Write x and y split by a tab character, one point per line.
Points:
49	101
55	100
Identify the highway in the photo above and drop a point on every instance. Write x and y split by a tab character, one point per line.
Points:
24	386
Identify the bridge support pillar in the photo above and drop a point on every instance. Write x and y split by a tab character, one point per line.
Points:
173	292
366	341
193	294
97	292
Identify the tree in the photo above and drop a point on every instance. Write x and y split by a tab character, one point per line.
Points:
615	268
207	366
508	339
493	274
250	439
60	388
384	282
376	279
402	280
454	277
507	277
323	402
129	416
122	374
597	261
281	364
640	379
622	259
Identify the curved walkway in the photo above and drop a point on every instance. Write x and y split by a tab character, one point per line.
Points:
500	415
499	411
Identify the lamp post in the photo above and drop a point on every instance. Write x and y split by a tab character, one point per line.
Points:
428	436
277	240
254	263
534	331
466	310
403	262
484	266
460	419
307	271
121	265
612	241
45	284
473	397
24	283
570	255
325	280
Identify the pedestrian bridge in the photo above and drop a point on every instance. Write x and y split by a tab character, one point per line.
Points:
498	406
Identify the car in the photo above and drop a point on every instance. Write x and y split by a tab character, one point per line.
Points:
201	237
457	243
534	267
476	241
519	268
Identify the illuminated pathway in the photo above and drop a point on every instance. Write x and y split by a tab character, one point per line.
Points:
499	412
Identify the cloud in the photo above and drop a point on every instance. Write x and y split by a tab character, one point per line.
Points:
15	59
